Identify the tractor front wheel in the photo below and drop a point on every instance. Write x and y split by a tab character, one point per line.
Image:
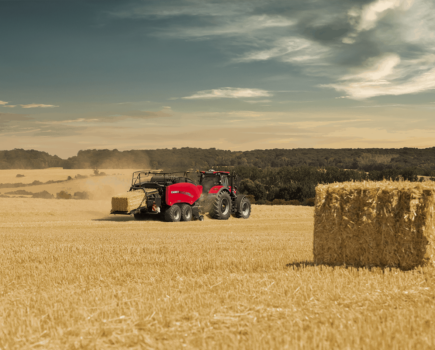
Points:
173	214
186	212
243	207
221	206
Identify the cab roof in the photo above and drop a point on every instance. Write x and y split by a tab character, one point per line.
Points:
212	172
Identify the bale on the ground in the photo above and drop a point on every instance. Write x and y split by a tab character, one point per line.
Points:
128	201
386	224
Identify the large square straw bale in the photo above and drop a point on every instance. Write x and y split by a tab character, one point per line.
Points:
128	201
386	224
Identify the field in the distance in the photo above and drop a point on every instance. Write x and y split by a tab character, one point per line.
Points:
72	276
99	187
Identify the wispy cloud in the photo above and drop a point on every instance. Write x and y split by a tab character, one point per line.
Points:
389	76
37	105
291	49
6	119
113	118
366	17
69	121
179	8
362	47
5	104
322	123
227	19
229	27
229	92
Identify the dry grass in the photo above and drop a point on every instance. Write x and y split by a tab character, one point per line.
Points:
73	277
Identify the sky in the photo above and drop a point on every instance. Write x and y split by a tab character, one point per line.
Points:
234	75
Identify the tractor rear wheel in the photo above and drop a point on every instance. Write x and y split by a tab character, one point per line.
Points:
221	206
173	214
243	207
186	212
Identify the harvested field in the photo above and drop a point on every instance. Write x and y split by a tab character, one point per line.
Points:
72	276
99	187
54	174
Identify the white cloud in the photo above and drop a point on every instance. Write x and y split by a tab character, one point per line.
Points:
228	26
367	89
388	76
37	105
376	69
229	18
79	120
419	24
229	92
5	104
366	18
281	48
197	8
372	12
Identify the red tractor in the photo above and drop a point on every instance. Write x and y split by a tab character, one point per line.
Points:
180	198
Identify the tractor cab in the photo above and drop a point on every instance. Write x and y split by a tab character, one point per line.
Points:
211	178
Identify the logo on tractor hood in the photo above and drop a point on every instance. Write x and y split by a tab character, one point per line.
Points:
182	192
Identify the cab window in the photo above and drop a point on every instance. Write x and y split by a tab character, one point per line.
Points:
225	181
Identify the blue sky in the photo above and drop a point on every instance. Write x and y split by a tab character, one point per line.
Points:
233	75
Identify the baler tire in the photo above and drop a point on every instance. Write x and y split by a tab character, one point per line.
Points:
221	207
173	214
243	207
186	212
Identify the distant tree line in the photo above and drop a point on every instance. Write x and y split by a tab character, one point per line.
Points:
298	183
368	160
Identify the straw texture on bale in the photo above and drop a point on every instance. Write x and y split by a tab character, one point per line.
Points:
385	224
128	201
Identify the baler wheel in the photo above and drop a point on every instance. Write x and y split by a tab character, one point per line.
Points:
186	212
173	214
243	207
221	207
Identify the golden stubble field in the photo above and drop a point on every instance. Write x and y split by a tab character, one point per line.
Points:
72	276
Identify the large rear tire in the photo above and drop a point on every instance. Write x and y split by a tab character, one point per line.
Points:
221	206
186	212
243	207
173	214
